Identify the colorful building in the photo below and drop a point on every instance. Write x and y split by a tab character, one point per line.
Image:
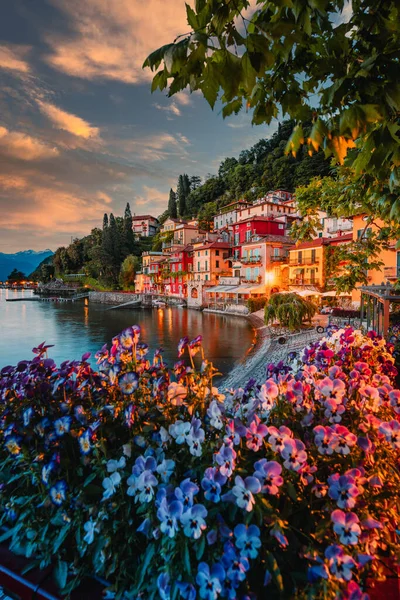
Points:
245	230
144	225
228	215
211	260
307	263
180	272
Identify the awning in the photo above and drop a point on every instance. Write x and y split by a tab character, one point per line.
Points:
305	292
333	294
298	271
220	289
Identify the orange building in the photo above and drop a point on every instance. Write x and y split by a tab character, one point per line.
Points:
390	271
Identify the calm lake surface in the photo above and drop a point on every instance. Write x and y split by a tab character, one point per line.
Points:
78	327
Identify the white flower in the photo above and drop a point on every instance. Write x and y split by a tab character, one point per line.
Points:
179	431
90	527
214	412
114	465
110	485
127	450
164	435
165	469
176	393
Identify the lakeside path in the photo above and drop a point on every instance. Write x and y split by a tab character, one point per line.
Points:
266	351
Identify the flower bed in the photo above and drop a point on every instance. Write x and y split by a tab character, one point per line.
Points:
152	479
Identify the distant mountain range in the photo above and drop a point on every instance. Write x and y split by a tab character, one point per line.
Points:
25	261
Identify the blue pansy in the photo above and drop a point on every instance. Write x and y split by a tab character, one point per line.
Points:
58	492
193	521
164	589
168	515
46	470
84	442
210	581
187	591
247	540
62	425
129	382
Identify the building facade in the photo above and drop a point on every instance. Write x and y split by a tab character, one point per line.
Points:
144	225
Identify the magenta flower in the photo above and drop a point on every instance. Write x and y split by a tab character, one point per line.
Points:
372	397
391	431
333	411
343	490
267	395
294	454
346	526
269	475
255	434
183	343
278	534
234	432
225	458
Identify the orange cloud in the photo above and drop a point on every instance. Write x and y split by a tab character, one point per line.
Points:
67	121
12	57
112	39
24	147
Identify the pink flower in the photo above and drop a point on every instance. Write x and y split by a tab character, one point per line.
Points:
333	411
277	533
324	439
319	489
332	390
268	393
277	437
346	526
269	474
343	440
394	398
294	454
255	434
371	396
391	431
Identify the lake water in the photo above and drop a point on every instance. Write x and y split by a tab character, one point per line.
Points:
78	327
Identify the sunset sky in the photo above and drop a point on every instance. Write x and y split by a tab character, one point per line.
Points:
80	132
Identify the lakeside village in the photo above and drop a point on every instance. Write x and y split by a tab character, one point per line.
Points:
249	254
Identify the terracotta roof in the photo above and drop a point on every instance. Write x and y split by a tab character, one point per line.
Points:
217	245
141	217
324	241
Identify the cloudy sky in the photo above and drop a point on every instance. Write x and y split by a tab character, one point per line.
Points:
80	132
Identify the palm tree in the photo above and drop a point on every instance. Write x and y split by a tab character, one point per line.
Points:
290	310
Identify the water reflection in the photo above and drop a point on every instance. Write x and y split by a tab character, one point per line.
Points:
76	327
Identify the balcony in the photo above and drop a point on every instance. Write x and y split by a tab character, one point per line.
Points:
280	258
304	281
246	260
303	261
344	228
391	272
171	244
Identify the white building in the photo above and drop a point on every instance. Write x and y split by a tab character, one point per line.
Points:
144	225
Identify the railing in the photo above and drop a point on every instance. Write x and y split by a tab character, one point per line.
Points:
338	228
279	258
172	243
304	282
304	261
251	259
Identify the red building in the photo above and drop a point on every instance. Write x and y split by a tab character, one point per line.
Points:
243	231
180	271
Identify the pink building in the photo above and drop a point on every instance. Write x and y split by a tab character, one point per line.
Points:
144	225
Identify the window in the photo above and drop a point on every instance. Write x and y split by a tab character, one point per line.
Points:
198	254
276	251
313	255
300	257
248	273
217	264
312	276
206	277
256	272
237	273
236	242
198	266
206	253
206	265
280	226
217	253
248	236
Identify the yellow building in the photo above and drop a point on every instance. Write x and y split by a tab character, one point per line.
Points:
307	263
210	261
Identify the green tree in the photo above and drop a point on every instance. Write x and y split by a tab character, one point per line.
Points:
206	215
290	310
304	60
128	239
129	268
172	208
16	276
181	196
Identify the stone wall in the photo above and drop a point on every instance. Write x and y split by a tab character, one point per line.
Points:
112	297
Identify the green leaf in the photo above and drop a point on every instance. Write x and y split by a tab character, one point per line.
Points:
393	96
60	574
232	107
200	547
61	537
191	17
151	550
275	571
186	560
210	86
88	479
295	140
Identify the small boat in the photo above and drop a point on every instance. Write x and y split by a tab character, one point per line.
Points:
159	303
180	305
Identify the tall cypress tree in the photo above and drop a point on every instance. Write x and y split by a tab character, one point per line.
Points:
172	208
128	237
116	250
180	192
105	221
